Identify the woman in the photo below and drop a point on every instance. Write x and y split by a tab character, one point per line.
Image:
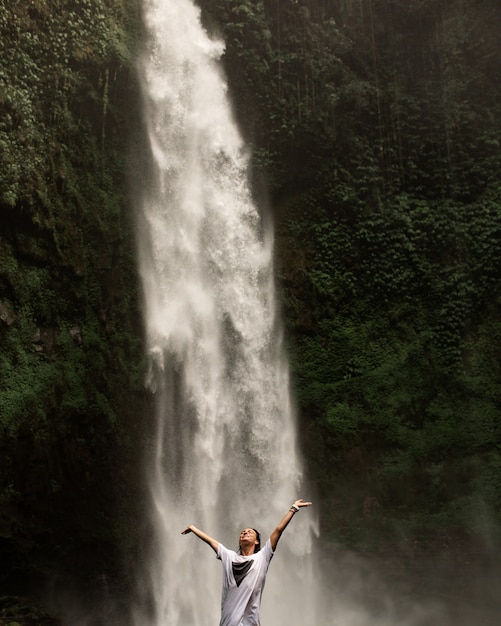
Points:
244	573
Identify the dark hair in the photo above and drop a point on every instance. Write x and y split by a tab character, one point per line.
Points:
257	547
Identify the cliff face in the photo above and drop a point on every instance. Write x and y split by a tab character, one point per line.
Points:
375	130
71	379
376	127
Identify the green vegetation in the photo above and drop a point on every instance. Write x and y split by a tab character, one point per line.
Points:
376	130
376	125
71	360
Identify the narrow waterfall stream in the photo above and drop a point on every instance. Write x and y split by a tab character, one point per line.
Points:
225	455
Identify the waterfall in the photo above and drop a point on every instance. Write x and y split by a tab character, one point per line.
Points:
225	453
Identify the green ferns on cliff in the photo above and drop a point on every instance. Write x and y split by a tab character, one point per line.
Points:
376	124
375	128
71	356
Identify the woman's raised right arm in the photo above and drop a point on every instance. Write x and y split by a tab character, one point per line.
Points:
203	536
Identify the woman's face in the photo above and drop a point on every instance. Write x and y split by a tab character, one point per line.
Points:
248	537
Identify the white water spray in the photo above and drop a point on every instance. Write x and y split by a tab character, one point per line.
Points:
225	454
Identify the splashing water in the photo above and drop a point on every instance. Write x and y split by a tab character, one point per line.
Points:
225	454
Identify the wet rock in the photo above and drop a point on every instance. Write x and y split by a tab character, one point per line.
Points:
76	334
6	315
44	340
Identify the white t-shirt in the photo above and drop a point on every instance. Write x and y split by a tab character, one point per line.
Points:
243	582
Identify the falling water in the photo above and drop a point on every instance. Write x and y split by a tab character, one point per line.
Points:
225	452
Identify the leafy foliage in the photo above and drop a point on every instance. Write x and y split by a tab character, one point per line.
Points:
70	329
376	126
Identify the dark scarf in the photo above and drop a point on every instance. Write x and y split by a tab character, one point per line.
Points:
240	570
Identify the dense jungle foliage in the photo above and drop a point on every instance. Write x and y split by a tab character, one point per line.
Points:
376	135
376	124
71	382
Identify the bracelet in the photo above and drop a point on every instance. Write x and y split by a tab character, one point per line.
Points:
294	508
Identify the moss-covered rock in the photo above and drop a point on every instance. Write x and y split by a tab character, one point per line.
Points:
70	327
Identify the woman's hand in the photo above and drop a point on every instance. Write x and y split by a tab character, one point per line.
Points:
301	502
201	535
